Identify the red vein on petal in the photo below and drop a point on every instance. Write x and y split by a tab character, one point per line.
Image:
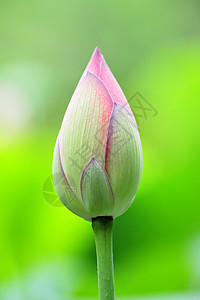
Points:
108	137
106	90
63	170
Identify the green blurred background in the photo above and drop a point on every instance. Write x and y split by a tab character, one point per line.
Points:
152	47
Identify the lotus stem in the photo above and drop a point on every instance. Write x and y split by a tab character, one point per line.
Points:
103	233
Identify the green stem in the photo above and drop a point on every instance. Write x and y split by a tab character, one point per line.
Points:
103	228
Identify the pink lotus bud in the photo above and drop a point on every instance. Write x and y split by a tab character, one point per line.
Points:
98	152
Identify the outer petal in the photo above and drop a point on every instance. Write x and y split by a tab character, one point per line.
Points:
99	67
63	189
112	86
123	158
96	190
84	129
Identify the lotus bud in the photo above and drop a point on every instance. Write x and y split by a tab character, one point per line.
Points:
98	153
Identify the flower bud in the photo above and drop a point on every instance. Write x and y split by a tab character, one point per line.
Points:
98	151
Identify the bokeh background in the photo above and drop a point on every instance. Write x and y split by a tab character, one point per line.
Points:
153	49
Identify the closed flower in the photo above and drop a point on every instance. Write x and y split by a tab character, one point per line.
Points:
98	153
